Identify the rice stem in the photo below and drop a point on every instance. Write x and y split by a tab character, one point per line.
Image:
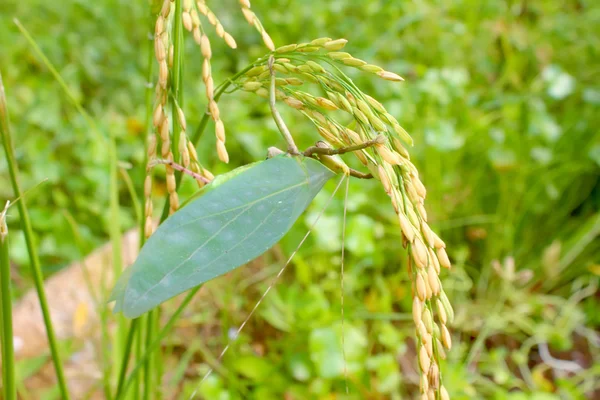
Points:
154	344
8	352
36	269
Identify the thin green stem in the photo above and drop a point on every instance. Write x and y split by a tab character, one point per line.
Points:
148	121
2	345
137	208
8	352
36	269
177	93
80	247
104	312
328	151
123	347
147	362
105	352
127	352
115	238
285	132
155	344
149	131
138	351
177	75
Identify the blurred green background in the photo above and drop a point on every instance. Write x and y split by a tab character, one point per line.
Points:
502	99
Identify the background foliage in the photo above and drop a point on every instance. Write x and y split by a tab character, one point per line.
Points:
502	101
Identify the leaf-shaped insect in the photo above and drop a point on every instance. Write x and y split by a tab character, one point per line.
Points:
236	218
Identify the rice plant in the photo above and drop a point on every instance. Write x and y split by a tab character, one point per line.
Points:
345	119
501	126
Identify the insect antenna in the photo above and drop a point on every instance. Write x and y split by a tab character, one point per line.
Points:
273	282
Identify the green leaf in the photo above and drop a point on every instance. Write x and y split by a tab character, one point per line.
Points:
234	220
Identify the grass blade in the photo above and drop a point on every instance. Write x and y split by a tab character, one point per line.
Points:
146	332
156	342
8	352
36	269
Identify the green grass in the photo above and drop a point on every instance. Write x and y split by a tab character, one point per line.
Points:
501	99
34	261
6	320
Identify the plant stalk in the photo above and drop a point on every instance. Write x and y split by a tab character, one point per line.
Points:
147	362
155	344
285	132
177	75
147	382
8	351
115	238
126	353
36	269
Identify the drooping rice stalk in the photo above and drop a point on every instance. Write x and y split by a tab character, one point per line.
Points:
343	116
319	63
